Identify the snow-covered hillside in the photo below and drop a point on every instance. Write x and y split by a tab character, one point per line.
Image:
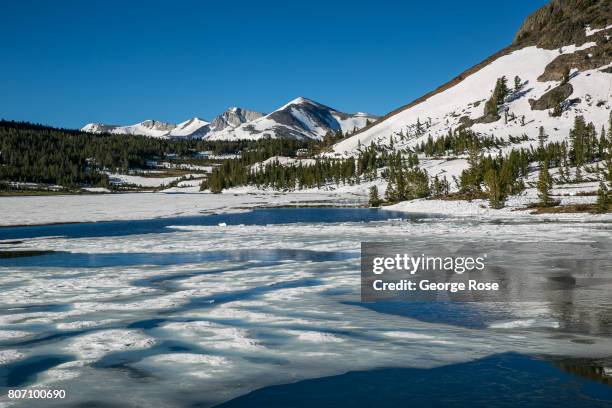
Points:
463	104
301	119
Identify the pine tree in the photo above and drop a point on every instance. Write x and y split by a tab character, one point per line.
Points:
564	171
517	83
542	137
497	98
416	184
419	128
495	189
603	198
578	134
471	178
391	194
374	198
602	143
608	153
544	185
436	186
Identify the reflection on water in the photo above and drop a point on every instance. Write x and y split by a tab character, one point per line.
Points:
22	372
597	370
256	217
103	260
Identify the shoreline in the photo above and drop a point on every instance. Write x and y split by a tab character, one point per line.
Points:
46	210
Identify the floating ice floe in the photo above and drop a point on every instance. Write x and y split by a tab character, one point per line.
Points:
13	334
314	336
214	336
97	344
7	356
525	323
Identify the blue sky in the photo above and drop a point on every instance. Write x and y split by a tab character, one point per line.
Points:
66	63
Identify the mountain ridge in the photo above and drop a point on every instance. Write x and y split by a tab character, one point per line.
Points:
300	118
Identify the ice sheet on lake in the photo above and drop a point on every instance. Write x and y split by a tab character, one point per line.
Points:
226	326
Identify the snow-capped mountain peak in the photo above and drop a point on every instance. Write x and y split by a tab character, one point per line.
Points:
193	127
300	100
300	118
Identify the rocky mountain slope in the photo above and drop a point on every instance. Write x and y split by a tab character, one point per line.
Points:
559	66
232	118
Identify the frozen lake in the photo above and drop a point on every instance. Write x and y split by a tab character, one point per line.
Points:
201	310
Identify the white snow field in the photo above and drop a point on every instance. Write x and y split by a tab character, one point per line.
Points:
142	323
31	210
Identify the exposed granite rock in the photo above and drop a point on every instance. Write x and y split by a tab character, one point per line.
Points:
488	118
563	22
590	58
157	125
234	117
465	122
553	97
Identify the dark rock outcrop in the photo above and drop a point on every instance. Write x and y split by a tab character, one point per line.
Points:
563	22
590	58
488	118
552	98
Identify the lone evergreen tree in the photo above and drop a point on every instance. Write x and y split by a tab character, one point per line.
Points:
517	83
374	198
544	185
542	137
